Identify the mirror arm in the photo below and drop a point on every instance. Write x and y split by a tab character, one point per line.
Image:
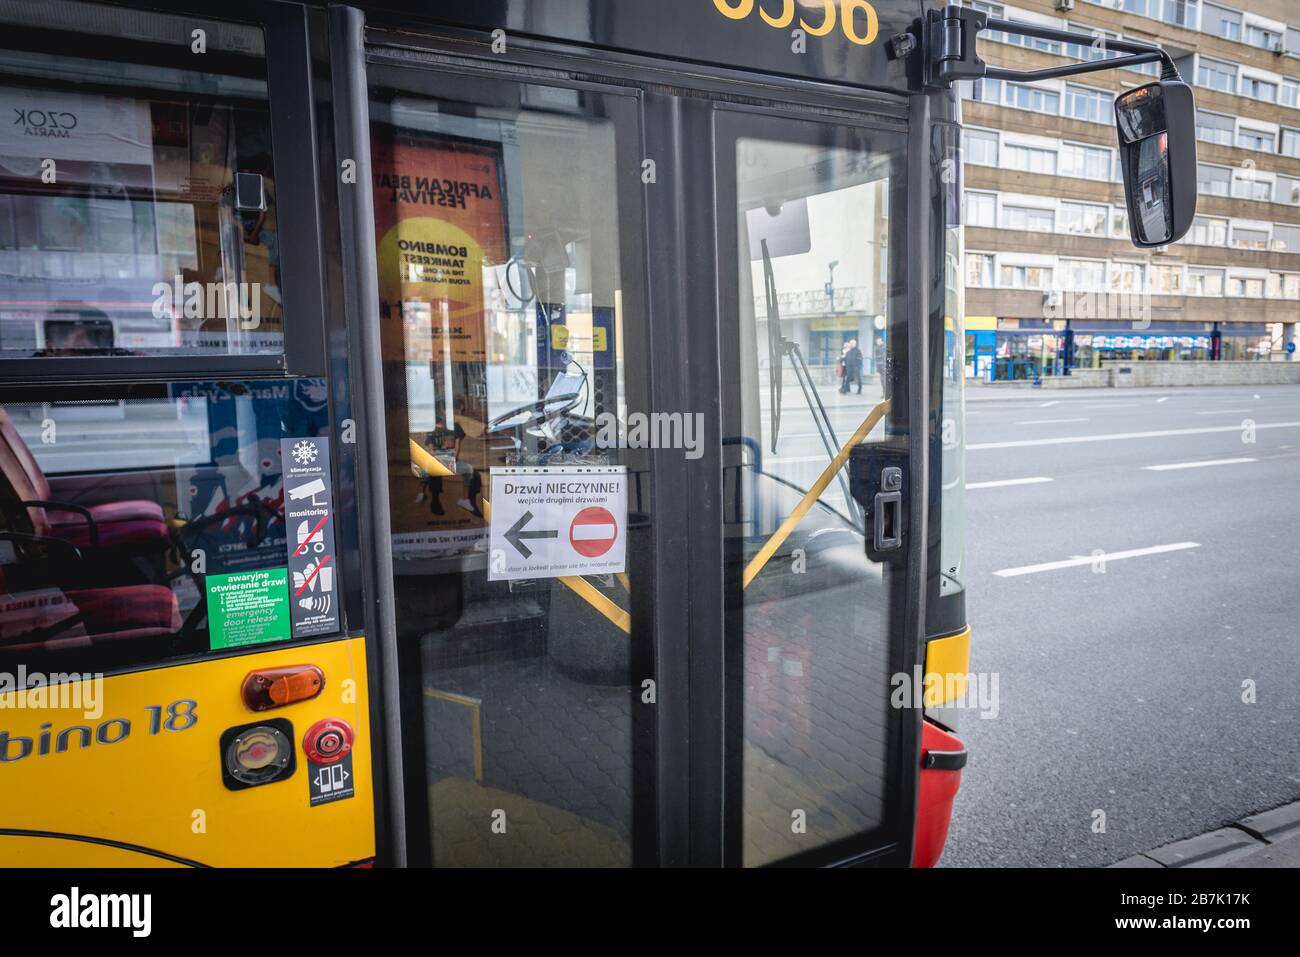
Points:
950	49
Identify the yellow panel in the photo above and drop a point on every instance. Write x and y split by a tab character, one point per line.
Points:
981	323
158	794
948	660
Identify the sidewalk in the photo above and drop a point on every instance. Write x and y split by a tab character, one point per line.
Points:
1270	839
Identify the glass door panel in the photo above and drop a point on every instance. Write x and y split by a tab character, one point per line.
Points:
514	340
813	333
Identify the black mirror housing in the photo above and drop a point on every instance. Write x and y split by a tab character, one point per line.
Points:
1156	124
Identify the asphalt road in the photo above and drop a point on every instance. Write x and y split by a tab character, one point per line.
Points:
1121	678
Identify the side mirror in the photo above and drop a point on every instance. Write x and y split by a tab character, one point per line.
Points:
1157	148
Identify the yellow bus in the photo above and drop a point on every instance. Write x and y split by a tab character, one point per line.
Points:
489	433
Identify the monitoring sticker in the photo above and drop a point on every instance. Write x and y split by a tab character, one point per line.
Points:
553	522
309	522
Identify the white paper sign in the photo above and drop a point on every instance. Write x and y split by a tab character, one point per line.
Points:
553	522
44	124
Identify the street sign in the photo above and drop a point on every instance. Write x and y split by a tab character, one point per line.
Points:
1290	347
559	521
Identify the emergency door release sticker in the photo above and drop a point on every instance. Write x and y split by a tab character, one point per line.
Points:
309	539
329	782
560	521
248	608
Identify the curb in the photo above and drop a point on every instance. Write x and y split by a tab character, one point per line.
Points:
1260	840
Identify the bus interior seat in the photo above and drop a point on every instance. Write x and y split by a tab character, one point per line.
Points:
131	522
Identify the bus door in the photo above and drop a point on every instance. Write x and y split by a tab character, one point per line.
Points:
183	673
514	333
819	477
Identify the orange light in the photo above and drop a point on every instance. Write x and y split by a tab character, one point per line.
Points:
276	687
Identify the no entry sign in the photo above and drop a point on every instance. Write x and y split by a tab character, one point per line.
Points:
593	531
553	522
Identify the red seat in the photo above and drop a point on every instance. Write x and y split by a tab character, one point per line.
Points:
133	522
50	619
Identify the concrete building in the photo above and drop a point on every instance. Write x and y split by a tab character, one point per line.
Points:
1051	277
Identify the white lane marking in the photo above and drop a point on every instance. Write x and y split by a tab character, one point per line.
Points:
1047	404
1163	398
1192	465
1089	559
998	484
1114	436
1223	411
1111	405
1048	421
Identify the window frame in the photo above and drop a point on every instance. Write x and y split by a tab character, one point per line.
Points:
294	162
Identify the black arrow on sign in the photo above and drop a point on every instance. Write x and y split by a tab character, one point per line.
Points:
516	535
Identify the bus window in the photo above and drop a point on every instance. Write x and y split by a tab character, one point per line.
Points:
512	339
121	230
816	344
129	516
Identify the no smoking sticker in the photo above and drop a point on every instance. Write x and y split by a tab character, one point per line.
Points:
553	522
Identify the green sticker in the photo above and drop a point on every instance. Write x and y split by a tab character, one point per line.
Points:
248	608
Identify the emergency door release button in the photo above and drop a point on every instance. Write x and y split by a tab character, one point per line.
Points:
327	741
276	687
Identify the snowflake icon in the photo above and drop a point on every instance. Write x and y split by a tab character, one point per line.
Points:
304	453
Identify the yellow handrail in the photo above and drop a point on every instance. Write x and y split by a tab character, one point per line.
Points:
430	463
778	538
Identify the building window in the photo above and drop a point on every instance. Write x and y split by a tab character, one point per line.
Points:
1081	275
1289	143
1245	287
1286	239
993	10
1221	22
981	147
1214	128
1097	50
1293	40
1243	238
1257	89
1083	219
1208	232
1128	277
1028	219
986	91
1086	162
1249	139
981	209
1119	222
1250	185
1024	97
1213	180
1263	38
1290	94
1216	75
1029	159
1025	277
1167	280
1284	285
979	270
1085	103
1204	282
1181	13
1287	190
